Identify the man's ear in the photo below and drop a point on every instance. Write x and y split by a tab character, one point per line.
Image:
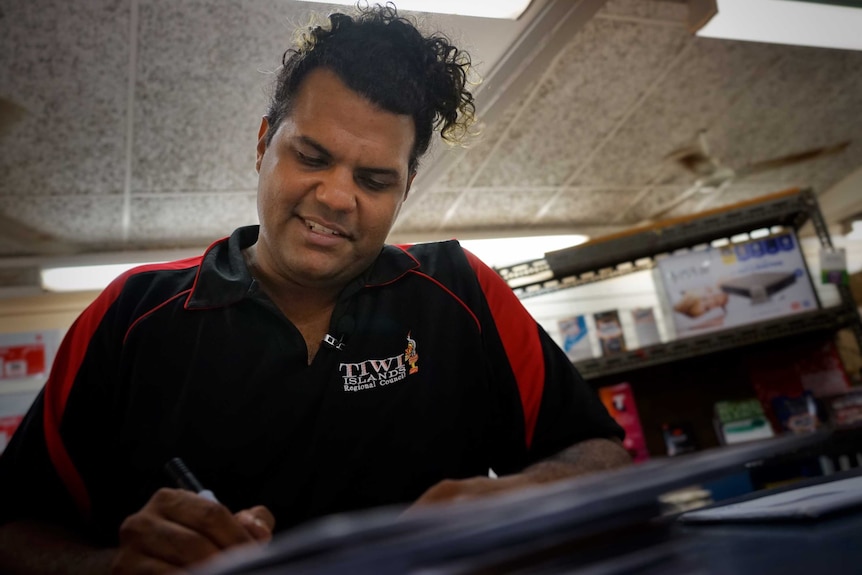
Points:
261	142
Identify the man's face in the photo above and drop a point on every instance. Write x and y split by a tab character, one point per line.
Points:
331	183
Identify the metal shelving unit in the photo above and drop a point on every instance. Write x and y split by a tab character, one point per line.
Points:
640	249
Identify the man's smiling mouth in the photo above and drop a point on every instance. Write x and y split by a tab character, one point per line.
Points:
321	229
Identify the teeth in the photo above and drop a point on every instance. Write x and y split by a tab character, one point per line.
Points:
315	227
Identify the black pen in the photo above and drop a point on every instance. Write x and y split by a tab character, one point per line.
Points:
185	479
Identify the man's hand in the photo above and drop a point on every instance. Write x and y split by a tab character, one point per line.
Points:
585	457
178	528
451	490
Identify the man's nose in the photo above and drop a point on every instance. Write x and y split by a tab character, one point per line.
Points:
337	190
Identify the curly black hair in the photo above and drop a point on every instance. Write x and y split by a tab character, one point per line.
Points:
384	58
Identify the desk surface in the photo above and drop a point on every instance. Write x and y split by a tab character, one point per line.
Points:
604	523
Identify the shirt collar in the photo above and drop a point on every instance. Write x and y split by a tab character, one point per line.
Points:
224	277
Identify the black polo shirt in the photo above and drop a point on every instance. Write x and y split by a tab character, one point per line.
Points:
434	371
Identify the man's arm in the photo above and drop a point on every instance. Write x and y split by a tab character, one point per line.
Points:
38	547
588	456
591	455
173	530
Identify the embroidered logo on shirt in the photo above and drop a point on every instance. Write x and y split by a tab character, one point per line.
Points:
411	357
373	373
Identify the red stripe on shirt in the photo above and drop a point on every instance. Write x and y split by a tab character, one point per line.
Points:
520	338
69	358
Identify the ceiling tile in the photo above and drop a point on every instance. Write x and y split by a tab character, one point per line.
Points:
710	76
479	209
425	212
578	205
481	146
92	221
165	220
655	9
599	75
810	97
204	70
65	63
657	200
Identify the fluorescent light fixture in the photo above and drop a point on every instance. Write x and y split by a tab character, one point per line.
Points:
495	252
500	252
796	22
509	9
82	278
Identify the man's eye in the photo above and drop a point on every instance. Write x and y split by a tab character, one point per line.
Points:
313	161
373	184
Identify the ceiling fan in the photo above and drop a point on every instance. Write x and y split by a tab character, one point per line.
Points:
714	177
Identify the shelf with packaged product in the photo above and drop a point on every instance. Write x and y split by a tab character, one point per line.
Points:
659	248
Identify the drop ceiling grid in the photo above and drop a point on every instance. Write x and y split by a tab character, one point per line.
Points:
600	74
497	207
584	205
81	220
426	212
73	88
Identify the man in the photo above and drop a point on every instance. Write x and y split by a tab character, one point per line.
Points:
302	368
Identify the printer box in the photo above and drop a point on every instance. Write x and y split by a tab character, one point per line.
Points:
736	284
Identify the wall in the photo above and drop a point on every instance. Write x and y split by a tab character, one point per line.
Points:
25	320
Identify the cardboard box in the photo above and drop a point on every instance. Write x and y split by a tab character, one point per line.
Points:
737	284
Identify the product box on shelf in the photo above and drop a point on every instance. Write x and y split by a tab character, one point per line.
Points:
576	340
739	421
736	284
610	332
797	414
844	410
787	373
646	328
678	438
620	403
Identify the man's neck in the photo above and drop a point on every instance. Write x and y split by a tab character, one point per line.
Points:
308	308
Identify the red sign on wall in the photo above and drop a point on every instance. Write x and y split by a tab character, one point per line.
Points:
22	360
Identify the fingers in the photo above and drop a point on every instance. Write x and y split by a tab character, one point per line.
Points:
454	490
258	522
208	518
178	528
